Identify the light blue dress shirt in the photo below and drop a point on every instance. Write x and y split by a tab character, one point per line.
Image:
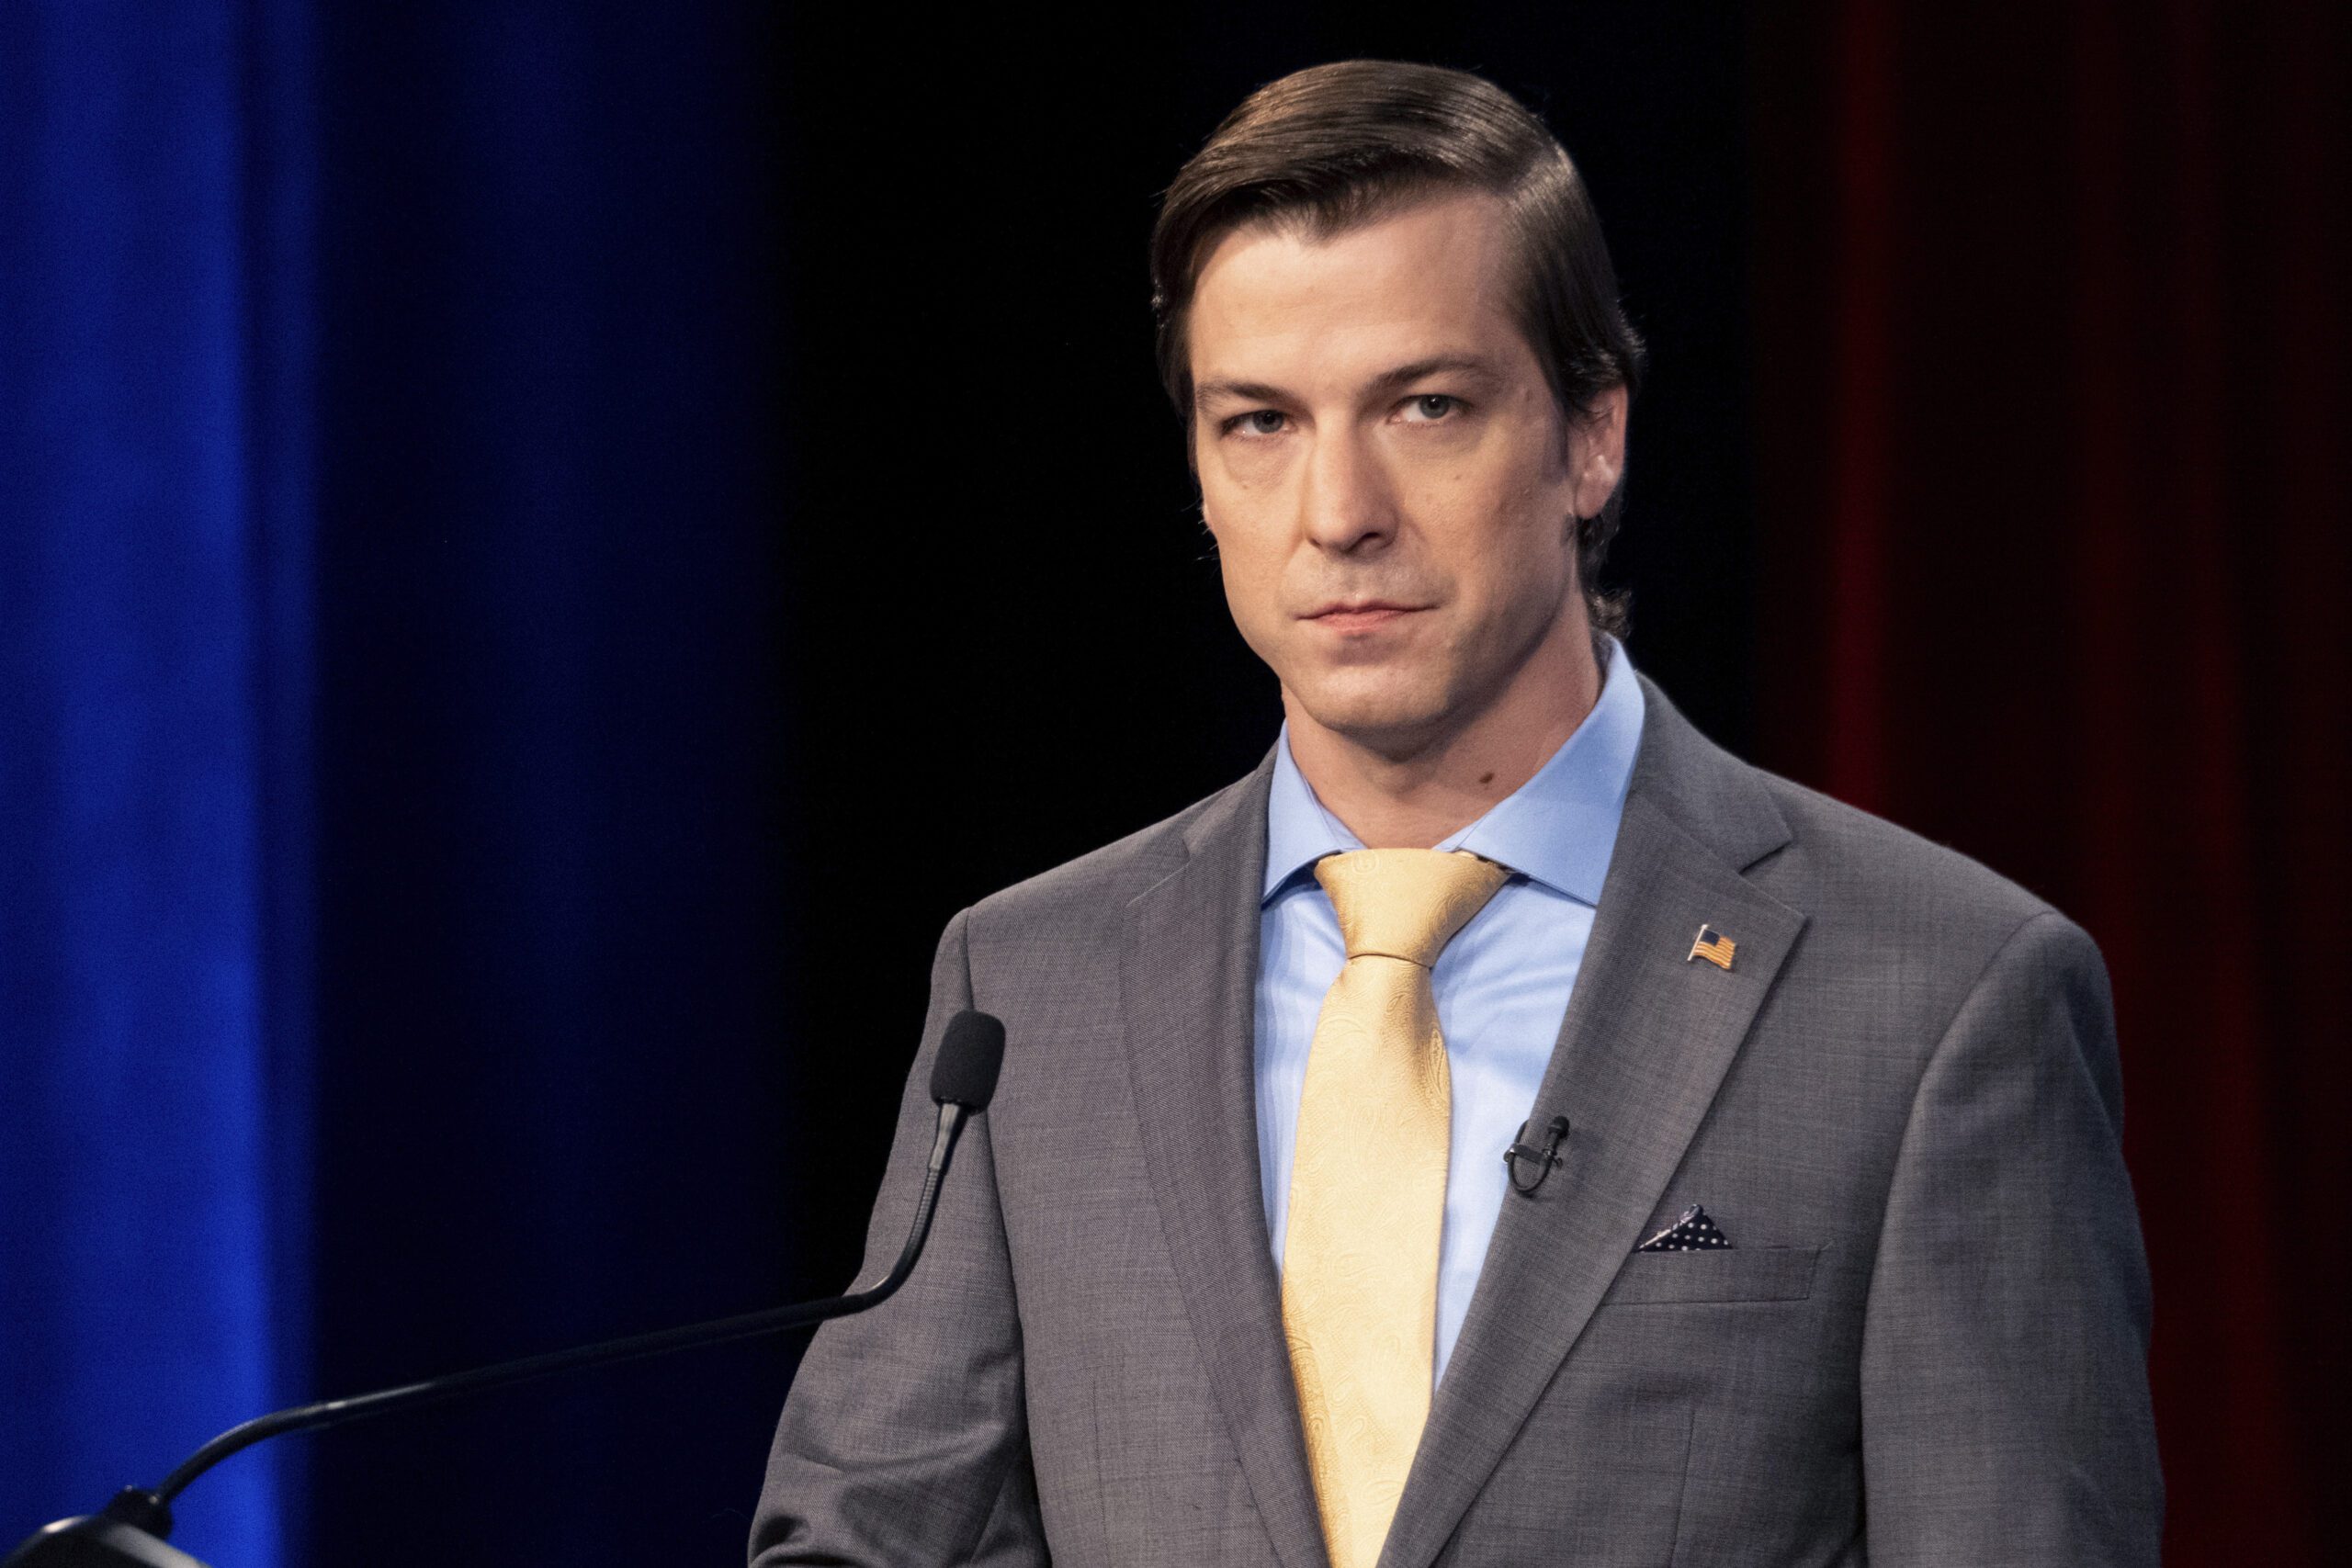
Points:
1502	983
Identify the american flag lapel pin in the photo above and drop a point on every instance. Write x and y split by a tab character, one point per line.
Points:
1712	946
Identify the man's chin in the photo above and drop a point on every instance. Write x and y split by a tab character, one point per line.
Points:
1389	719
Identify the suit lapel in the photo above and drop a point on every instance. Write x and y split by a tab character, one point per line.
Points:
1647	1040
1189	978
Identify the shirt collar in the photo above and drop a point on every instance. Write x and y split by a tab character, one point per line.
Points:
1557	828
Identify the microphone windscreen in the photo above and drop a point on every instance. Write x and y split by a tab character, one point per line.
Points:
969	1055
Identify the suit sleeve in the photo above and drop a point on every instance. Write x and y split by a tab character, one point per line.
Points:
903	1441
2004	1377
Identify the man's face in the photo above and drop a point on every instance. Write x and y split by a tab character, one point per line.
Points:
1389	480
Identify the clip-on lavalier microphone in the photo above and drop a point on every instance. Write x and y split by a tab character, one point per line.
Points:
1546	1159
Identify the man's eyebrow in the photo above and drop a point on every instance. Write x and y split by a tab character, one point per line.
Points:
1240	391
1468	365
1387	381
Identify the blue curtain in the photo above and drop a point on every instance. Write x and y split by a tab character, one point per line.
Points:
154	689
391	952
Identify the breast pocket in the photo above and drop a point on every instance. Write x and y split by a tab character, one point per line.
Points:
1721	1274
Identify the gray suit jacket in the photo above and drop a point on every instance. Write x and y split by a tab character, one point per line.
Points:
1926	1343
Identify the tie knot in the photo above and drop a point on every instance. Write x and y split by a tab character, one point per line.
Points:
1406	903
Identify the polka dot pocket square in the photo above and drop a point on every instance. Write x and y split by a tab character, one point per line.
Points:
1692	1233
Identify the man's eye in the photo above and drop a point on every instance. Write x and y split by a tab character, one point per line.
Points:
1435	405
1257	422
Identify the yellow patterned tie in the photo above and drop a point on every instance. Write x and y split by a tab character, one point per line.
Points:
1367	1187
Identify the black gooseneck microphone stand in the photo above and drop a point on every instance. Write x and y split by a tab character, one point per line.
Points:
132	1530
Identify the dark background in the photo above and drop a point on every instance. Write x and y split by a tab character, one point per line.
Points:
694	509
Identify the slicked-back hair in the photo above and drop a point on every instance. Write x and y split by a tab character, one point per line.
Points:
1337	146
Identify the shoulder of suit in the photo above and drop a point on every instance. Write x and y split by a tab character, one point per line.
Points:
1105	879
1816	854
1846	864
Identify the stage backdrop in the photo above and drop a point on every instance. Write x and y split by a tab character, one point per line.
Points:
2051	390
155	663
391	912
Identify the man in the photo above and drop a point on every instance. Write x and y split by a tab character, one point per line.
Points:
1814	1244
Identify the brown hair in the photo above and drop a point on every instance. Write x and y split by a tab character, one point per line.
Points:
1342	144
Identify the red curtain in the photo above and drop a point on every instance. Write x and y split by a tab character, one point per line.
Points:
2052	463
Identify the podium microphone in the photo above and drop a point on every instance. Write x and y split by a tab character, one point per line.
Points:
132	1532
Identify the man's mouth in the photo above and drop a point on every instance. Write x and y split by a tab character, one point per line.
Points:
1361	615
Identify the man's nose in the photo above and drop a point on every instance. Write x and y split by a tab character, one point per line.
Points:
1345	503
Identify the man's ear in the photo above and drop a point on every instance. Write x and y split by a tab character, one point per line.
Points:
1597	451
